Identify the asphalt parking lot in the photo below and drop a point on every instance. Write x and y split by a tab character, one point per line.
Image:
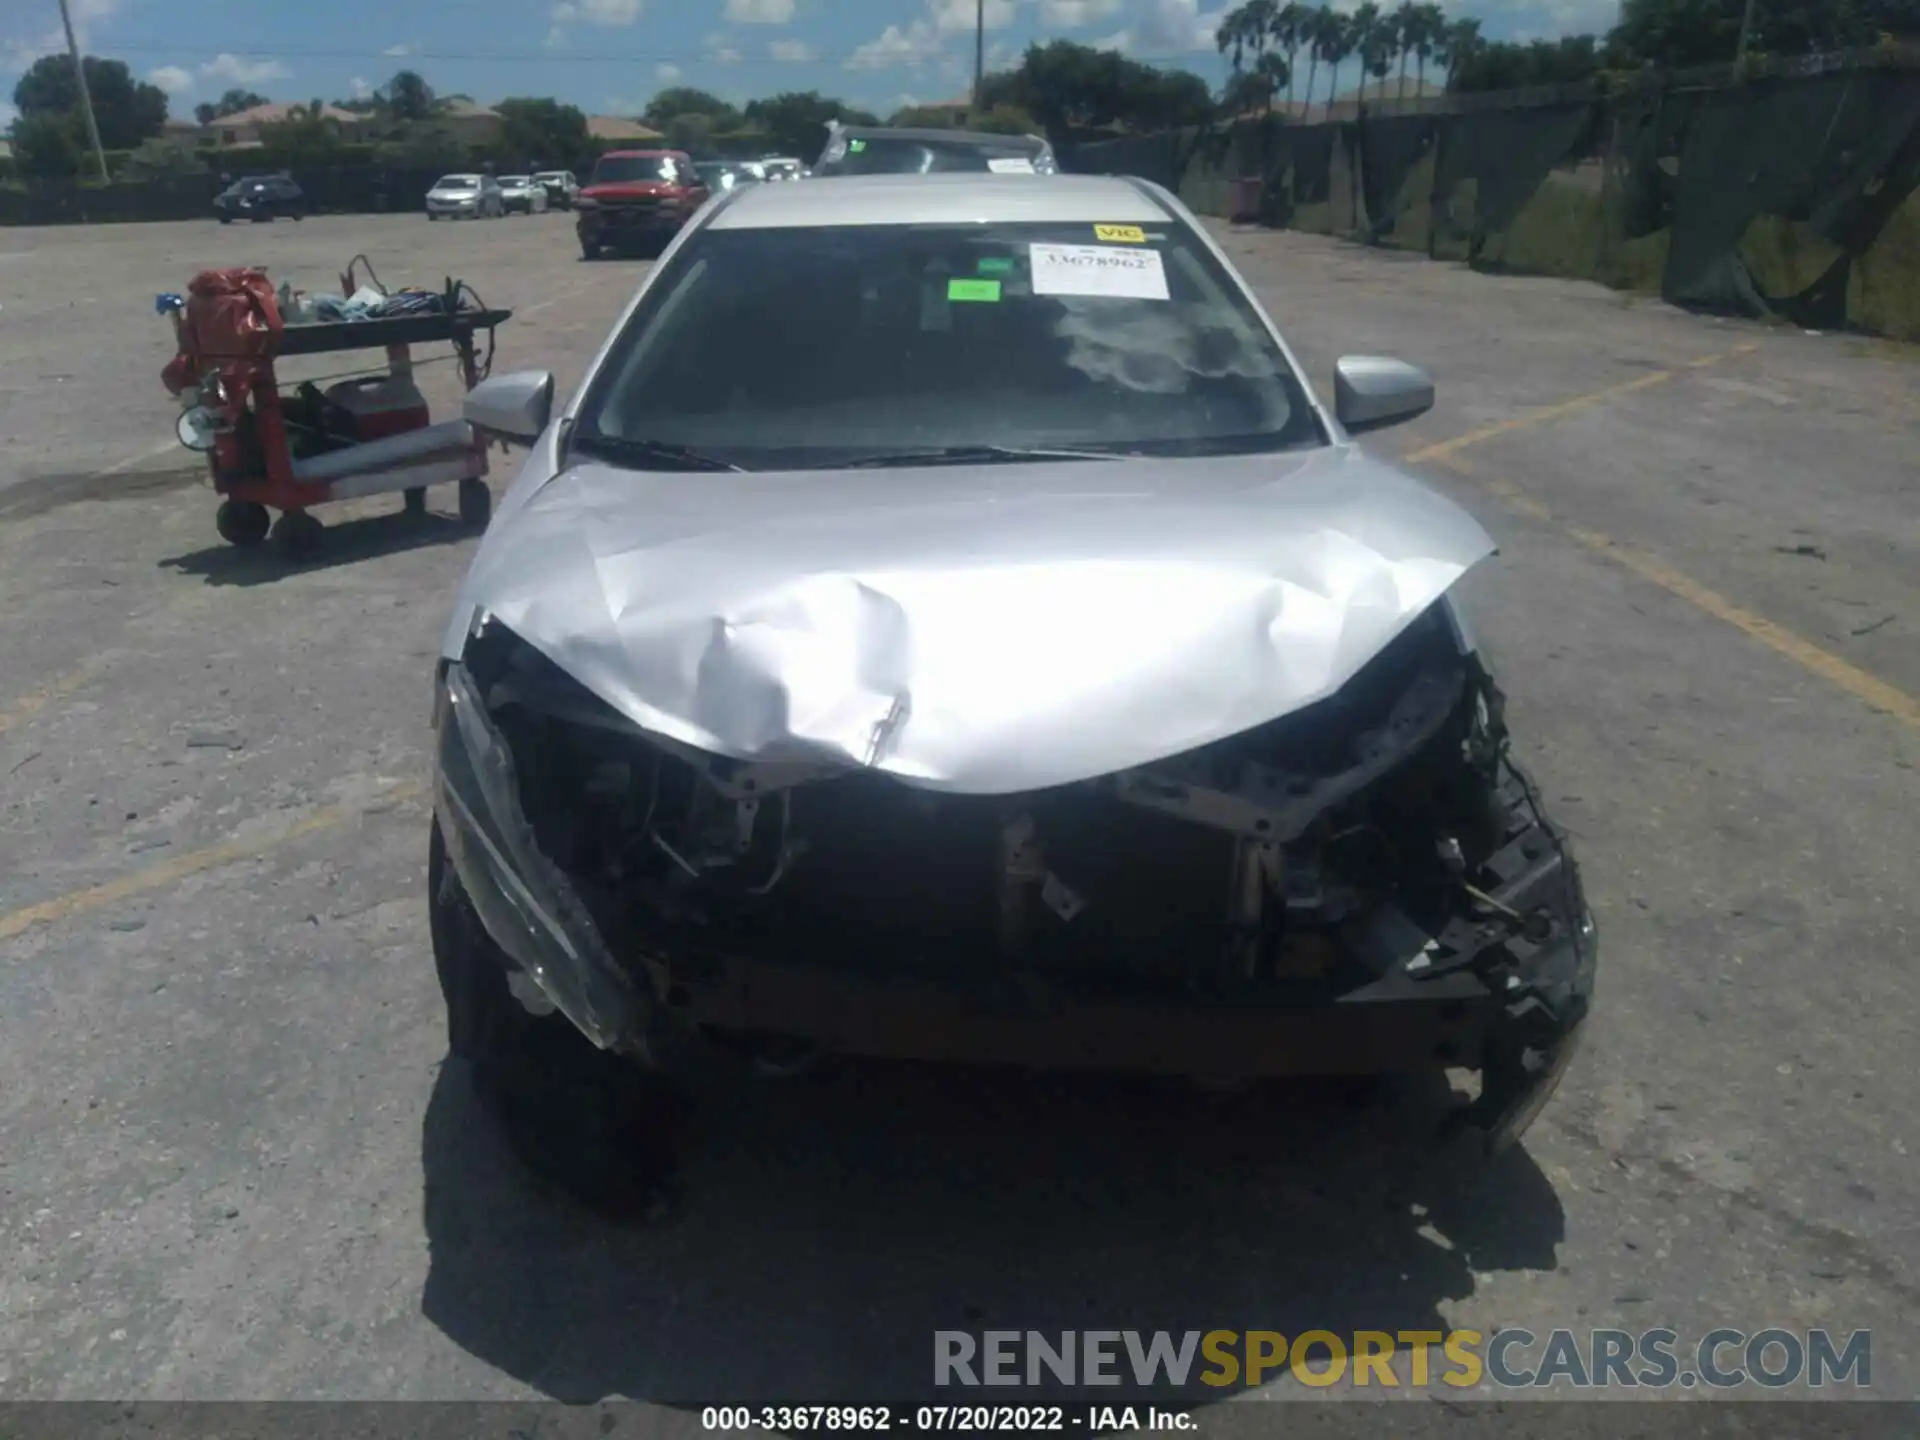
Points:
232	1164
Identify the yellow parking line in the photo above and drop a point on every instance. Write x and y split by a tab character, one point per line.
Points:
1870	689
1865	687
193	862
32	703
1441	449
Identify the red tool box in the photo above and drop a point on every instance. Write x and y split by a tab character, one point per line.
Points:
368	435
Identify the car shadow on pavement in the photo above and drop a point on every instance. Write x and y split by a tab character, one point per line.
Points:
823	1229
345	542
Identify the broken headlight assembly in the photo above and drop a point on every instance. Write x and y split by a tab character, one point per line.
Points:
1374	861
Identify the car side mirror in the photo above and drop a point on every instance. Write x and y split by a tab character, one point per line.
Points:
1371	392
512	407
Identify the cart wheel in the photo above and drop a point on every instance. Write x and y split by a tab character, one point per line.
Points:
416	500
297	534
241	522
476	503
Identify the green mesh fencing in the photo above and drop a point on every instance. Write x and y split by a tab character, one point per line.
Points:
1790	196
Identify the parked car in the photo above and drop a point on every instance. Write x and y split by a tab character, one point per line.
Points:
945	623
780	167
465	197
260	197
560	186
636	199
719	175
883	150
521	195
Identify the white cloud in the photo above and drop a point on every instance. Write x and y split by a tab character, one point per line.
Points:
243	70
759	12
666	72
1168	30
400	49
8	112
18	54
725	55
359	88
1070	14
556	38
611	13
953	16
793	52
895	46
172	79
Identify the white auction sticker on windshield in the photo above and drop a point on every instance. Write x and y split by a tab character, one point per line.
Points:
1010	165
1124	271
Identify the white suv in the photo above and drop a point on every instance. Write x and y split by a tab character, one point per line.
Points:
562	189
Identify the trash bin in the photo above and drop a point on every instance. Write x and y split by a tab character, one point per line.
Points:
1243	200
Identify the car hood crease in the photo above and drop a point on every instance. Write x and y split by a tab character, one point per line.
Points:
986	629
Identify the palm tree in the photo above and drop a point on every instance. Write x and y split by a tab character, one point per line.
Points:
1428	37
1273	72
1244	30
1362	28
1336	42
1289	31
1456	46
1408	21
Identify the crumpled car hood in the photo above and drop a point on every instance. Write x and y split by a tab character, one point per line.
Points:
983	629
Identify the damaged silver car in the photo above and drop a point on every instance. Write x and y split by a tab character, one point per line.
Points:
945	624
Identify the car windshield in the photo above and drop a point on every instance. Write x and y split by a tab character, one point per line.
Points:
903	155
551	177
619	169
518	182
457	182
794	348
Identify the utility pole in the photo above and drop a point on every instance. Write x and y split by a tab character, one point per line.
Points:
1746	32
86	101
979	54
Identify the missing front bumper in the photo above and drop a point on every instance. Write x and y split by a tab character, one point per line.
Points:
657	1000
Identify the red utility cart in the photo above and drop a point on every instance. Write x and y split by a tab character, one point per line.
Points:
367	434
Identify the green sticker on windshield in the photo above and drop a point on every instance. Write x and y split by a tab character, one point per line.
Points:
856	146
973	290
995	265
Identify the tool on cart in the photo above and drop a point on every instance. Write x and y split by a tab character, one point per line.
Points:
365	434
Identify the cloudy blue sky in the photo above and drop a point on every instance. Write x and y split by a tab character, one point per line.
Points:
608	56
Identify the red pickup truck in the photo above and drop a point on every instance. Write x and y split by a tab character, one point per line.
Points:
636	199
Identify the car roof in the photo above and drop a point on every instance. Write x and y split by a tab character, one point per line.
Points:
643	154
953	199
936	136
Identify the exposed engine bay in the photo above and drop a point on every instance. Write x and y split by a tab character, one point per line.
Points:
1375	844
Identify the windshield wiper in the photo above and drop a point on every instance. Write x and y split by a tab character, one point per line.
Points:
972	455
638	454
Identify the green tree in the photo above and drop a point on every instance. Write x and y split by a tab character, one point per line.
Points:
407	96
1373	40
692	132
685	100
48	145
1288	29
1067	87
127	111
308	136
540	132
795	122
1430	23
1458	48
233	101
1335	39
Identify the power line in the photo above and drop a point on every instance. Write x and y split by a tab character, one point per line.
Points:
559	56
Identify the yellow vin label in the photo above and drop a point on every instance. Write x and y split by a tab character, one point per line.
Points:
1131	234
